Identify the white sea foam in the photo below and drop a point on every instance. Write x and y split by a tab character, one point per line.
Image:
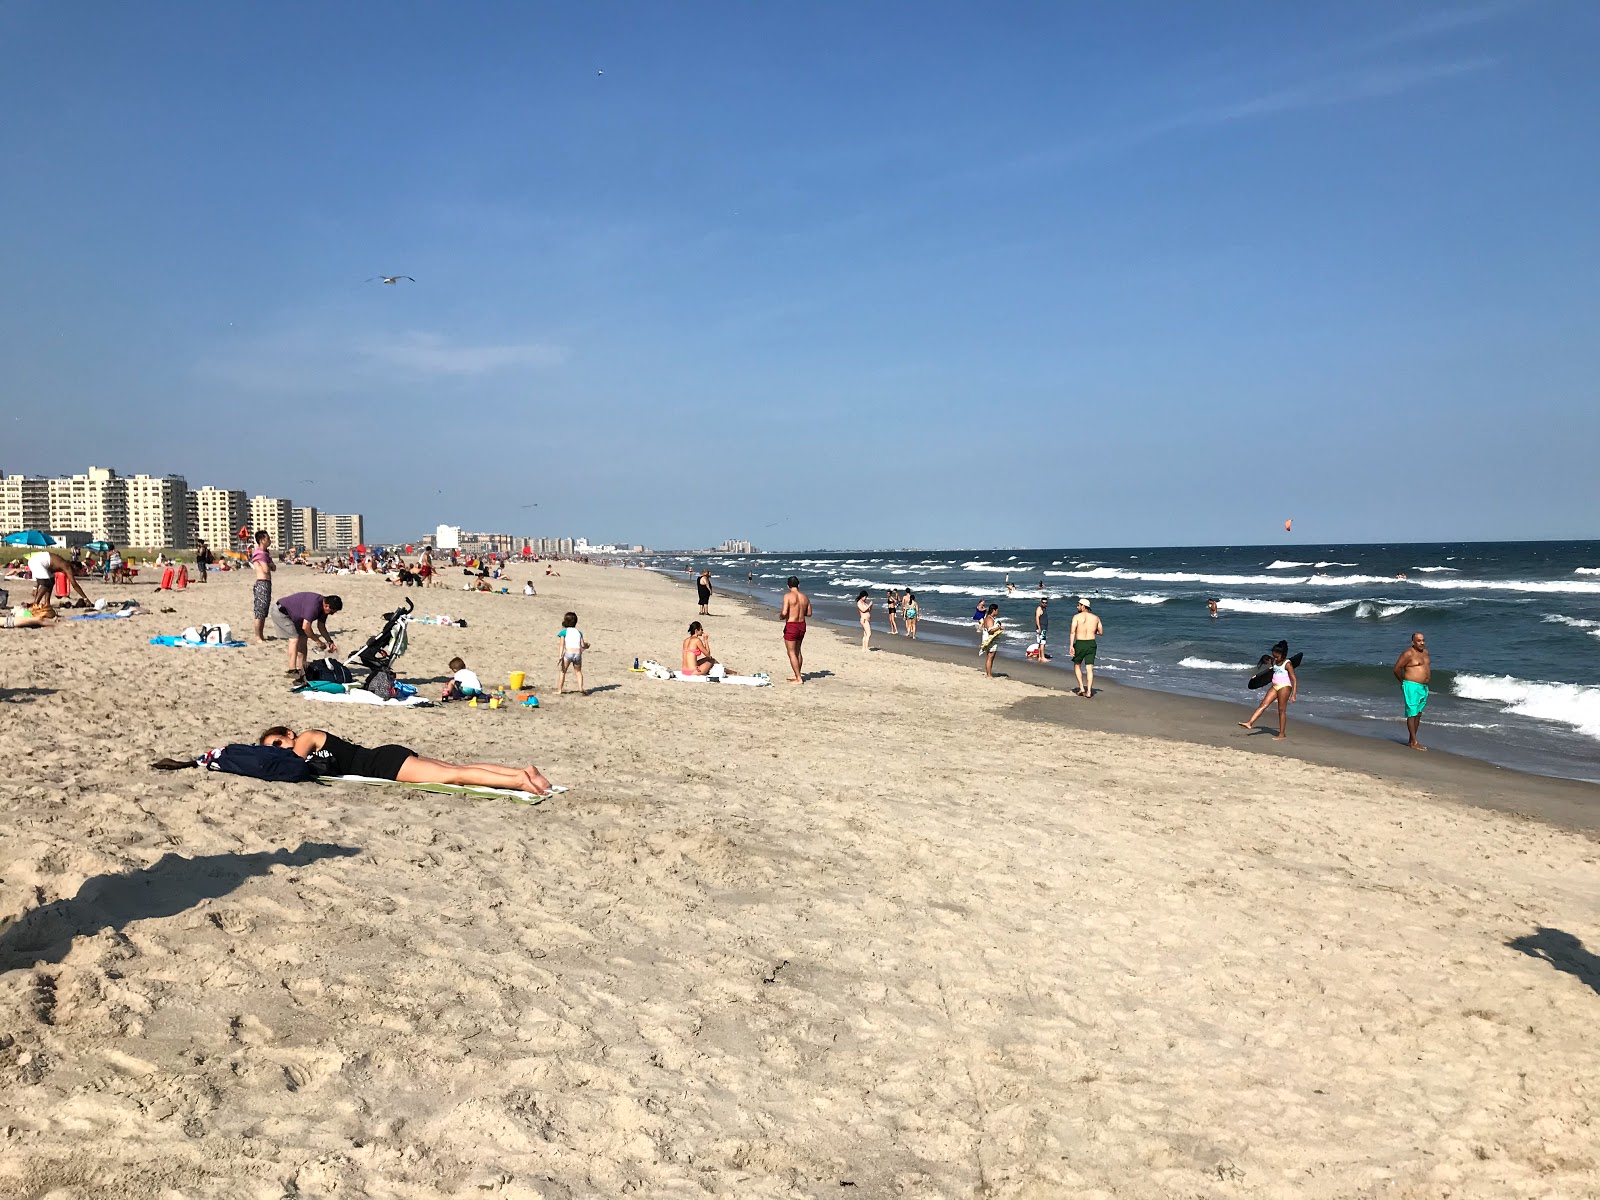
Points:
1535	586
982	566
1142	598
1285	608
1284	565
1592	628
1431	569
1209	664
1566	703
1586	570
1323	565
1549	586
1379	610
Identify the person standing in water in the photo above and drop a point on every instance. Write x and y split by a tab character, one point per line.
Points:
1414	670
912	614
1083	641
1212	605
795	610
864	607
891	608
1283	690
1041	626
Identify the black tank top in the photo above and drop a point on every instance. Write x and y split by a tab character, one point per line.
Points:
339	757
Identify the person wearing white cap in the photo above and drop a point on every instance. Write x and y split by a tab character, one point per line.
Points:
1082	641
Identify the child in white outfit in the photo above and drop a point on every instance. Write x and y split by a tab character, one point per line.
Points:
572	648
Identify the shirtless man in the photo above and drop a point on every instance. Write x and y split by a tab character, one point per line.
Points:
1082	643
796	609
44	566
261	590
1414	670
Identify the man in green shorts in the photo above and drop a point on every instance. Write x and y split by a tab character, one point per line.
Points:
1414	670
1082	639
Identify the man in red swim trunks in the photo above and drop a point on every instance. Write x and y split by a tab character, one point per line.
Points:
796	608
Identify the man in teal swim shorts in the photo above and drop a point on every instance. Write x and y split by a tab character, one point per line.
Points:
1414	670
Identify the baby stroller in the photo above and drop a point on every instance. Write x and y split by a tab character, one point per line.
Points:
382	650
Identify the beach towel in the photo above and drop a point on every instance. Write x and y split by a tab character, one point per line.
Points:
105	616
358	696
178	641
452	789
656	671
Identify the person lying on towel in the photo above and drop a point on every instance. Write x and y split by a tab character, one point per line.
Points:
330	754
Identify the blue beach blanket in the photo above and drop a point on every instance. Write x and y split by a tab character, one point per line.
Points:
102	616
178	641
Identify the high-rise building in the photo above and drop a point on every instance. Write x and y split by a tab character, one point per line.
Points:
219	514
97	502
24	503
307	528
447	537
276	516
158	510
342	531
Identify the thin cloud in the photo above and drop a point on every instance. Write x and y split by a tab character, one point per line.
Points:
309	362
1352	87
431	354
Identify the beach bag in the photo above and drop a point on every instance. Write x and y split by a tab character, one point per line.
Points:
217	635
276	764
329	670
381	684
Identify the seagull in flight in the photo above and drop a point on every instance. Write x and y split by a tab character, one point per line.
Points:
389	278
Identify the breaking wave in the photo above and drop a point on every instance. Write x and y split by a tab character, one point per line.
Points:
1282	608
1566	703
1209	664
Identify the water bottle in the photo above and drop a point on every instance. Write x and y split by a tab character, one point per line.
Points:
636	662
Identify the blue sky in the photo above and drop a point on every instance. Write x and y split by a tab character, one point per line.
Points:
819	275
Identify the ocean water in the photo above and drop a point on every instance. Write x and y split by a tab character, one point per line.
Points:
1513	627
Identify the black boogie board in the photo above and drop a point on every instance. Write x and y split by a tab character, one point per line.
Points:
1263	674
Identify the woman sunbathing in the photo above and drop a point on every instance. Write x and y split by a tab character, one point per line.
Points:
330	754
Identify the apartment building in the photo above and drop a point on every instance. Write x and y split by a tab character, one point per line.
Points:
276	516
96	501
24	503
219	514
307	527
342	531
158	510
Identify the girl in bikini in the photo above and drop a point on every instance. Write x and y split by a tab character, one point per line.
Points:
330	754
911	615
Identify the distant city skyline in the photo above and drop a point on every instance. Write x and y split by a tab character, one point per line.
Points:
822	276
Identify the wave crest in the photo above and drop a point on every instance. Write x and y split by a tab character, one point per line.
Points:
1566	703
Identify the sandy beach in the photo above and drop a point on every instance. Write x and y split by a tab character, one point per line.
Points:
902	931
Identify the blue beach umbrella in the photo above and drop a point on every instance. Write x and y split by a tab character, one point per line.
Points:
27	537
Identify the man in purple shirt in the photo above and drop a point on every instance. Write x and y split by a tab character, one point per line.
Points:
301	616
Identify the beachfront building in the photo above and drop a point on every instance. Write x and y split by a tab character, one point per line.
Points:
735	546
158	511
447	537
96	501
306	527
219	514
274	514
24	503
342	531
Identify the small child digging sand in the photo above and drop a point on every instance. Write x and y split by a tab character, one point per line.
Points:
572	648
